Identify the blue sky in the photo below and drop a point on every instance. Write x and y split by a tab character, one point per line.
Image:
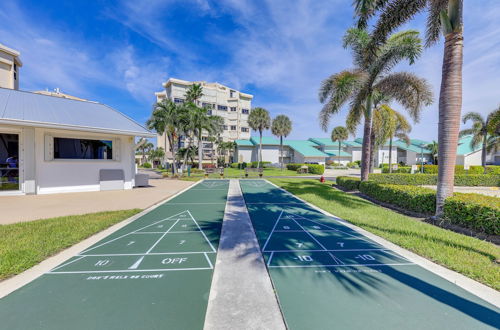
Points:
119	52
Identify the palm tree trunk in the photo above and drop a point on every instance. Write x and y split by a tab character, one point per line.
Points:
260	151
365	151
483	152
372	151
200	153
281	152
339	151
450	107
390	154
172	150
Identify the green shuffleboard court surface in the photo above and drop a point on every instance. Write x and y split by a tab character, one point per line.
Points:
328	276
154	273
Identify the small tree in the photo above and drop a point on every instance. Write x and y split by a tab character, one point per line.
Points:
281	127
144	148
259	120
339	134
434	148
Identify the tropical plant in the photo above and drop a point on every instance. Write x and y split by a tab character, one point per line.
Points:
371	76
494	124
446	17
144	147
187	153
156	154
479	133
194	93
339	134
165	120
226	148
259	120
281	127
434	148
389	124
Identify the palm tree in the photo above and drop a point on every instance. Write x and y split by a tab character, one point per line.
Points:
259	120
339	134
391	124
214	132
187	153
144	148
156	154
446	17
165	119
281	127
479	132
371	76
194	93
494	126
434	148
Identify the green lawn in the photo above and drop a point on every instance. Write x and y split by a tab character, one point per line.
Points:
470	256
236	173
25	244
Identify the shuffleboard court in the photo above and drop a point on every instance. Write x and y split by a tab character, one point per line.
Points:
329	276
154	273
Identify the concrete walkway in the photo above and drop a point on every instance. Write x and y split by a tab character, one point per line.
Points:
489	191
242	296
34	207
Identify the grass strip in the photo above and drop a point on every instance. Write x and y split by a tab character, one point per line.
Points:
469	256
25	244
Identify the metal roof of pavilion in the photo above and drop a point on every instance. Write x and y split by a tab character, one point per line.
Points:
30	109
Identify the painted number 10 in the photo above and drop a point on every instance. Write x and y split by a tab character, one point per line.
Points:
305	258
364	257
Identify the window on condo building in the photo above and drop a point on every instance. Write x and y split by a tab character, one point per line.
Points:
207	105
245	111
231	93
222	107
233	127
177	100
245	129
233	109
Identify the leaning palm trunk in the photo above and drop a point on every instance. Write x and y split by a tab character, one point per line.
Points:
390	155
483	152
260	151
365	153
373	150
450	106
172	150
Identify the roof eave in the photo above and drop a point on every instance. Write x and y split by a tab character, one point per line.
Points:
76	128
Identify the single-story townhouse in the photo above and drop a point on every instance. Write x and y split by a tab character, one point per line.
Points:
52	145
294	151
323	150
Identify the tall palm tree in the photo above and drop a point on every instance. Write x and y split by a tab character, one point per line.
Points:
194	93
479	132
214	132
446	17
165	120
494	126
434	148
144	148
259	120
391	124
371	76
281	127
339	134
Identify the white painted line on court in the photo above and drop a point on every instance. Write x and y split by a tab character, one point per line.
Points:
129	271
142	254
335	250
274	227
65	264
308	233
159	239
208	260
344	265
137	263
210	243
270	257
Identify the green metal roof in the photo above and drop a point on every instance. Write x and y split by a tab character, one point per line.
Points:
411	147
327	142
306	148
244	143
354	143
418	142
464	146
265	140
332	152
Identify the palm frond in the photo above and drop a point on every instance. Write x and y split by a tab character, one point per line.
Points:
433	29
358	40
477	140
474	117
395	14
494	122
466	132
366	9
412	92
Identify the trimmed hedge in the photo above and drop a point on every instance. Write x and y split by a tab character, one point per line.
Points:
412	198
348	182
311	168
401	169
262	164
146	165
431	179
474	211
235	165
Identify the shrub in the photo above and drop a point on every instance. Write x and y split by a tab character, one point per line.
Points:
475	211
352	165
262	164
401	169
146	165
492	169
311	168
417	199
358	162
235	165
348	182
197	171
476	170
243	165
431	179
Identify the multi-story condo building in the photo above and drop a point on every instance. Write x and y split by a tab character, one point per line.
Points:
232	105
9	67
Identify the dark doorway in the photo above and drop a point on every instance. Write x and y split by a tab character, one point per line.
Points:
9	162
